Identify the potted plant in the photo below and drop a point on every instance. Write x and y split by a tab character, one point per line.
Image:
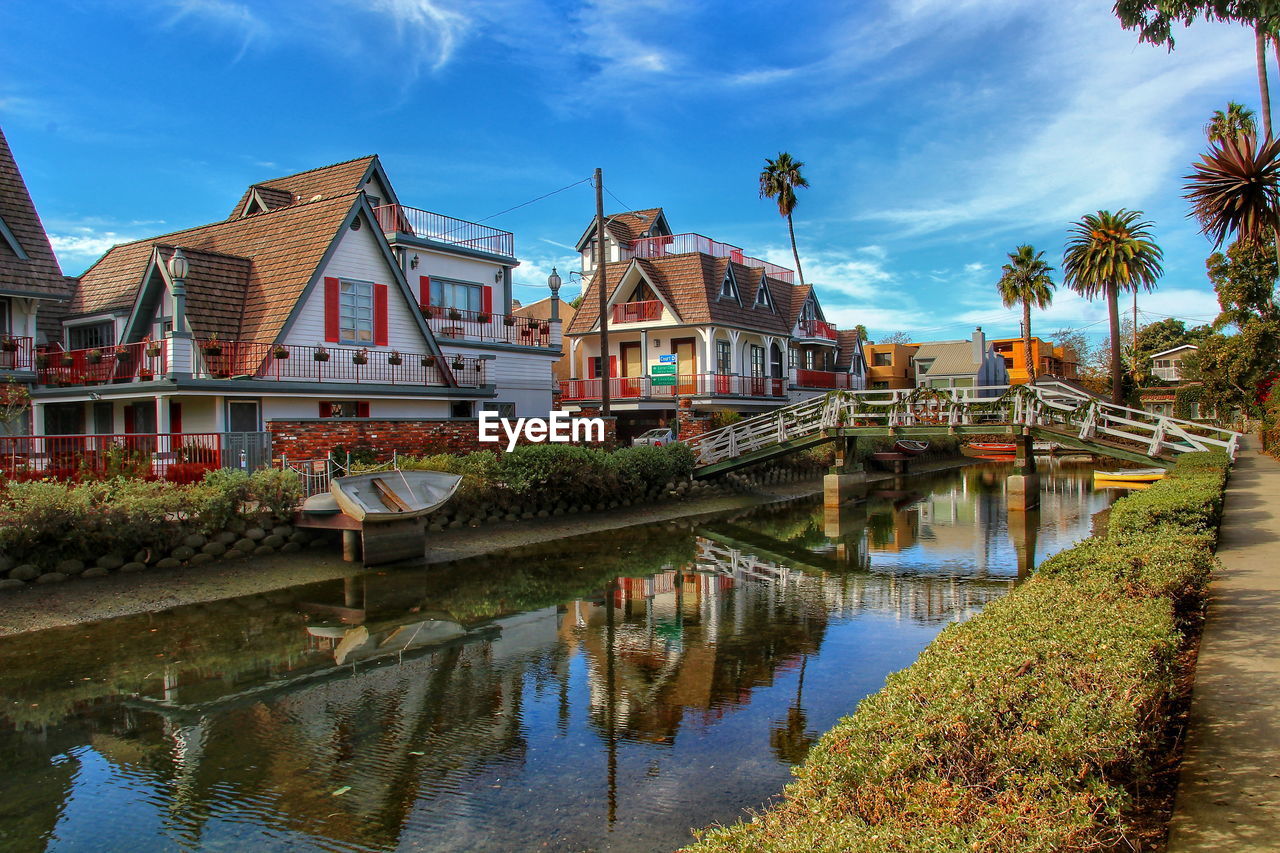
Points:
455	314
482	317
212	346
121	353
509	320
321	354
360	357
67	360
42	360
532	322
153	349
146	373
428	361
93	356
8	345
428	312
280	351
395	358
458	363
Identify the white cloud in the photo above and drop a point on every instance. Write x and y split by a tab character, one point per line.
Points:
236	18
430	31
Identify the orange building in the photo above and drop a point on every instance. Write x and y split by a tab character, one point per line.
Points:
889	365
1050	360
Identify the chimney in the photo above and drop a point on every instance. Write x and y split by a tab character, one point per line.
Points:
979	345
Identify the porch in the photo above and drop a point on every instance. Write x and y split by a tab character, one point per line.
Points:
174	457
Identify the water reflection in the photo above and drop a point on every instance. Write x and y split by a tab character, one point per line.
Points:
605	692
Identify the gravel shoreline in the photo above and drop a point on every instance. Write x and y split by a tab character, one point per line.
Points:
39	607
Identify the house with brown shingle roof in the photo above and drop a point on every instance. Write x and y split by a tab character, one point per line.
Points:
320	296
30	278
692	317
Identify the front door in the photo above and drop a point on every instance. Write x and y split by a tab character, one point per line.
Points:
632	370
686	350
242	416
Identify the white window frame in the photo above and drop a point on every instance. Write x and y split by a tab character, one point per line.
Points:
355	311
445	294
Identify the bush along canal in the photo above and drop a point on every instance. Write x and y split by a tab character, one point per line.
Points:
610	691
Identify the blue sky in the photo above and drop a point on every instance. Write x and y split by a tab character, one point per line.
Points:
937	134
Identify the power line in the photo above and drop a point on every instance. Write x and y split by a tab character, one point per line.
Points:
532	200
618	200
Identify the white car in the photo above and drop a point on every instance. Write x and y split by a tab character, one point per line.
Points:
654	438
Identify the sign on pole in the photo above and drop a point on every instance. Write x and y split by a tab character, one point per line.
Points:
662	370
667	359
662	380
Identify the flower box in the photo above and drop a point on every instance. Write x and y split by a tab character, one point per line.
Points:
280	353
67	360
429	361
483	317
428	312
9	345
458	364
153	351
455	314
395	359
508	320
93	356
321	354
361	357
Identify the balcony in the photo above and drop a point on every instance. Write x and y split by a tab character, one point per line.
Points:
136	362
637	312
1168	374
438	228
15	353
455	324
681	244
697	385
824	379
817	329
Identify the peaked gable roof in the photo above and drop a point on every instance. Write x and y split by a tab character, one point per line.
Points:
628	226
268	259
312	185
849	354
949	357
31	269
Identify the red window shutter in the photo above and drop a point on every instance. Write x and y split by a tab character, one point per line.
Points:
331	332
380	334
488	300
424	290
613	367
175	417
362	409
326	410
592	368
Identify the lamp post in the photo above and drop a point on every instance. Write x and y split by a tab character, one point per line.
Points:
179	268
554	281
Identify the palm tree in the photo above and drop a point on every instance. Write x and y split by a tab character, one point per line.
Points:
1233	122
1235	189
1109	252
779	179
1026	279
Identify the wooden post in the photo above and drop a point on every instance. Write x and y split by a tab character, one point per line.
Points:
351	545
1024	484
846	477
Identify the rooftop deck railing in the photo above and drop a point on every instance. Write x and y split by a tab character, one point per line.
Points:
398	219
15	353
637	312
295	363
141	361
680	244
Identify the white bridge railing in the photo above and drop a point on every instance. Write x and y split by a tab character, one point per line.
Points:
1043	404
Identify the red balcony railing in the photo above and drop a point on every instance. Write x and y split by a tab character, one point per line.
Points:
293	363
695	385
143	361
637	312
817	329
482	326
680	244
822	379
176	457
15	353
396	218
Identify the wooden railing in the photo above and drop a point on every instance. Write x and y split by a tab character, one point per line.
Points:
692	385
680	244
294	363
829	379
141	361
457	324
15	353
396	218
637	312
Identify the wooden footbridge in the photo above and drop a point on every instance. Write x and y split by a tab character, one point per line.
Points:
1047	411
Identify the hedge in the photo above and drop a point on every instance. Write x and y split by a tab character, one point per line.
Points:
1032	726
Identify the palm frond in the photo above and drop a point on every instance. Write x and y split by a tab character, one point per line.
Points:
1235	189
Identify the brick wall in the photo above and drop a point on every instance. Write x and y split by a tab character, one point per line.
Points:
313	438
690	424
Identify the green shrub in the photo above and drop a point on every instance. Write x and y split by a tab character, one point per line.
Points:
1032	725
276	492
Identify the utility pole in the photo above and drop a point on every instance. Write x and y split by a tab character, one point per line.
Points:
604	299
1136	366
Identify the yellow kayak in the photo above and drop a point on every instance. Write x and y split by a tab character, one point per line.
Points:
1132	475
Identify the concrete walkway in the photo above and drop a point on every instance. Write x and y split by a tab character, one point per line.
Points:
1229	793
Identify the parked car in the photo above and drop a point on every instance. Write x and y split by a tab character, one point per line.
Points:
654	438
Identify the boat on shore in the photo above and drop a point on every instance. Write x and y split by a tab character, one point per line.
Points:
394	495
910	447
991	448
1131	475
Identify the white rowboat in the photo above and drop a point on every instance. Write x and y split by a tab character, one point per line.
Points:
393	495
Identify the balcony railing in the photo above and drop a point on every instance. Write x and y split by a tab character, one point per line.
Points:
294	363
141	361
176	457
637	312
823	379
680	244
15	353
817	329
481	326
1168	374
697	385
396	218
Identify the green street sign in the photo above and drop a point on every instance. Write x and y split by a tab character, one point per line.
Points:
662	370
662	380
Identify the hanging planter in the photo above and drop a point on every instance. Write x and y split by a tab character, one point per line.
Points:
321	354
212	346
67	360
93	356
458	364
428	312
532	323
280	352
9	345
153	351
361	357
428	361
42	360
121	353
395	358
482	317
455	314
508	320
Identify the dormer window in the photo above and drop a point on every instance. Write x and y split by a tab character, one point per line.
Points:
763	300
729	287
10	241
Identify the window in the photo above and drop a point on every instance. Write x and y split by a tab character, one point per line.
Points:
460	409
793	358
355	311
724	358
879	386
729	287
344	409
757	361
882	359
808	359
456	294
91	336
923	365
1008	364
939	383
504	410
762	296
962	383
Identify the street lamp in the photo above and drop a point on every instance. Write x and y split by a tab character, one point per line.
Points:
554	281
179	268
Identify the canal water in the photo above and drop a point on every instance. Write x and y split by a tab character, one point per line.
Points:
605	692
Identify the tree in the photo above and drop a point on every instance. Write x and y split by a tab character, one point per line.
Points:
861	332
1107	253
779	179
1232	123
1244	279
1026	280
898	337
576	302
1154	20
1235	189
